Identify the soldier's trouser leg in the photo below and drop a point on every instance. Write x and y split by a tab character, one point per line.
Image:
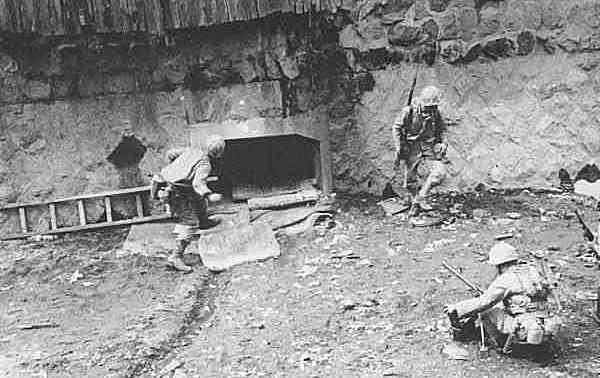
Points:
184	238
434	178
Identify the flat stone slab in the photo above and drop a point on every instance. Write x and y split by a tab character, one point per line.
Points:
157	239
223	249
149	239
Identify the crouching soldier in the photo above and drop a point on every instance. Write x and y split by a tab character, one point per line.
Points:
183	185
514	308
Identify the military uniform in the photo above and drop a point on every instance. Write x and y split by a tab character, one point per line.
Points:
186	179
417	137
183	184
515	304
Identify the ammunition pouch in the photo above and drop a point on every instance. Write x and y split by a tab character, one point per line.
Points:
529	328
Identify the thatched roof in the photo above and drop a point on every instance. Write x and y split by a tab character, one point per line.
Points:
64	17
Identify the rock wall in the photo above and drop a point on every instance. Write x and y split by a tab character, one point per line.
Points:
520	80
519	77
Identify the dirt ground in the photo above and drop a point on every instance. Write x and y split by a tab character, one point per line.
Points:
361	299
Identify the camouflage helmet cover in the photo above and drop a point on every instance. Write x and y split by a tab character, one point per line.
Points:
430	96
502	253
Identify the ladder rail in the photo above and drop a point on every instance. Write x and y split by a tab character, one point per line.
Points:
84	223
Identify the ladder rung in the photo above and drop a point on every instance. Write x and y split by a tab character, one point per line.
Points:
23	219
53	223
81	210
139	205
108	209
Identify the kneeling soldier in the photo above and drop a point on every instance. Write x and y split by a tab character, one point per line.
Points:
514	307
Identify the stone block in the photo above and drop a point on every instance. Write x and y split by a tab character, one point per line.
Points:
451	51
91	84
396	6
238	102
458	22
404	35
472	52
37	90
525	42
150	239
431	29
62	87
439	5
12	89
420	10
498	47
520	14
120	83
490	20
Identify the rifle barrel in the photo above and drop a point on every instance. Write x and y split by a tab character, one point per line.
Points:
471	285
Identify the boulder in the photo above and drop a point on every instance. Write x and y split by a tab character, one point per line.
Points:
490	20
404	35
525	42
451	51
498	47
458	22
439	5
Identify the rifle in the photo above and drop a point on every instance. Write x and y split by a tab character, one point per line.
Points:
587	233
454	315
405	141
471	285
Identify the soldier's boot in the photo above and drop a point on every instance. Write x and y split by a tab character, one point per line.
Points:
176	258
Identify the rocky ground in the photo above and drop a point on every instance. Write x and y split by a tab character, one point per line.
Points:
361	299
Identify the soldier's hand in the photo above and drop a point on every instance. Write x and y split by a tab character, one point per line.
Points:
448	309
163	195
214	197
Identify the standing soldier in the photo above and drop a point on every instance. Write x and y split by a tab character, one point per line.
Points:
417	134
514	305
183	185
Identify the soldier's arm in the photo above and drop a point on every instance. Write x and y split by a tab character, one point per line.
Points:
494	294
156	184
201	173
399	127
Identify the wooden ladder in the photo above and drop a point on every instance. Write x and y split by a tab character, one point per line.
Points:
84	224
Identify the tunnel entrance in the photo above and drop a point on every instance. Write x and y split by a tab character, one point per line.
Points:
258	167
126	158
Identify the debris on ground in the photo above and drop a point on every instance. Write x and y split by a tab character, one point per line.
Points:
394	205
38	326
223	249
506	235
586	188
455	352
283	200
75	277
437	244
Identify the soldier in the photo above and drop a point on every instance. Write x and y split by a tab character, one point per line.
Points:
183	185
514	305
417	134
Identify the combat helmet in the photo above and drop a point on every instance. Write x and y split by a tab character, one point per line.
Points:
174	153
430	96
502	253
215	146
